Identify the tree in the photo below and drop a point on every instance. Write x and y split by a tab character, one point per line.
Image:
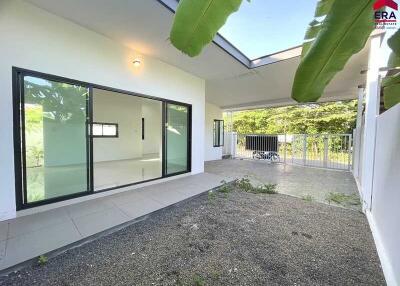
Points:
334	118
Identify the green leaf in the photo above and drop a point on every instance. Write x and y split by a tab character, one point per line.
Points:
323	7
391	84
394	43
343	33
394	61
196	23
391	95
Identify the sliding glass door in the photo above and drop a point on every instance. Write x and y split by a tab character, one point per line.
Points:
177	137
54	138
73	138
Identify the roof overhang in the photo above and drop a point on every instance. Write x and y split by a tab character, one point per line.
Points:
232	80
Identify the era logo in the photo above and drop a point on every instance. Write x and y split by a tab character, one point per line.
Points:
379	4
385	18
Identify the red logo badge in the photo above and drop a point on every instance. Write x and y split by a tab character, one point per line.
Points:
379	4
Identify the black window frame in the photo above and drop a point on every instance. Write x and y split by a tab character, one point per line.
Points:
19	141
217	140
102	125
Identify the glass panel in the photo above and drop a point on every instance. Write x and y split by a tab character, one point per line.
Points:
128	158
109	130
177	138
221	133
215	133
97	129
55	139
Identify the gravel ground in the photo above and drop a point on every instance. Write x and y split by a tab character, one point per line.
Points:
234	239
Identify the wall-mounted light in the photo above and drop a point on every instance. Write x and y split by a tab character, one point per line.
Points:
136	62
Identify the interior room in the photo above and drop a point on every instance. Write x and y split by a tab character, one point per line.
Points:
127	139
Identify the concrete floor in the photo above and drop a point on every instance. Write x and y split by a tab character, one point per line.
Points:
122	172
290	179
50	182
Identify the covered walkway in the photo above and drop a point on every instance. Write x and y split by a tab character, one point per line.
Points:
322	185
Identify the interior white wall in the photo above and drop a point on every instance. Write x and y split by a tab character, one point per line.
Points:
34	39
211	152
152	114
127	112
385	211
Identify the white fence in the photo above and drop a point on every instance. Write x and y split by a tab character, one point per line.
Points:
332	151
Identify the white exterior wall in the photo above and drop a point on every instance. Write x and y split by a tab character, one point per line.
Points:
211	152
34	39
385	211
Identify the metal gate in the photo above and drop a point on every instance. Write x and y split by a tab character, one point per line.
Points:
331	151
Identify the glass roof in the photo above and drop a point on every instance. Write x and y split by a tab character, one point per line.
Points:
263	27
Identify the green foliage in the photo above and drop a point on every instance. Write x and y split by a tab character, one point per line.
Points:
196	23
34	134
265	189
307	198
245	185
42	260
343	199
211	196
59	101
198	281
391	84
337	117
330	43
225	188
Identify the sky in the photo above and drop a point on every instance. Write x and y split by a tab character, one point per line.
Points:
263	27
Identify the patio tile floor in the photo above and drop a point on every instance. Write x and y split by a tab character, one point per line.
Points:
27	237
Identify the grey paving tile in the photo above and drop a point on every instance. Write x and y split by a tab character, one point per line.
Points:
3	230
127	196
33	244
167	197
100	221
30	223
2	249
89	207
137	208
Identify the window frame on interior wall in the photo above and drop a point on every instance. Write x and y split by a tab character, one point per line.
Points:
218	141
102	129
19	142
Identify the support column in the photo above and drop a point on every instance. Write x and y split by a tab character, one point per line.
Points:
371	113
357	138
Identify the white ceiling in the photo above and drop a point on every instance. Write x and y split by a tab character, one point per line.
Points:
144	25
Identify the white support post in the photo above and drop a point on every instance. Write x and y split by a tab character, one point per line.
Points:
371	113
285	150
357	138
305	150
349	143
326	151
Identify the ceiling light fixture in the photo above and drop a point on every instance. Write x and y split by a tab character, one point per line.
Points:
136	62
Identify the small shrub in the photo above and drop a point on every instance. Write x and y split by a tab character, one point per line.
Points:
245	185
265	189
42	260
225	188
307	198
343	199
211	196
198	281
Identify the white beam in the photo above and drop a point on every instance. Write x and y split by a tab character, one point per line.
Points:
371	113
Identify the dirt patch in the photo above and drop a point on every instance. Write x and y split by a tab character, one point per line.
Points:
229	238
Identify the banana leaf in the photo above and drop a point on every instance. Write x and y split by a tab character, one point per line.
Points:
196	23
391	84
342	33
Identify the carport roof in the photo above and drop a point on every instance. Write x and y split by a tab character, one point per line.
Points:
232	80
